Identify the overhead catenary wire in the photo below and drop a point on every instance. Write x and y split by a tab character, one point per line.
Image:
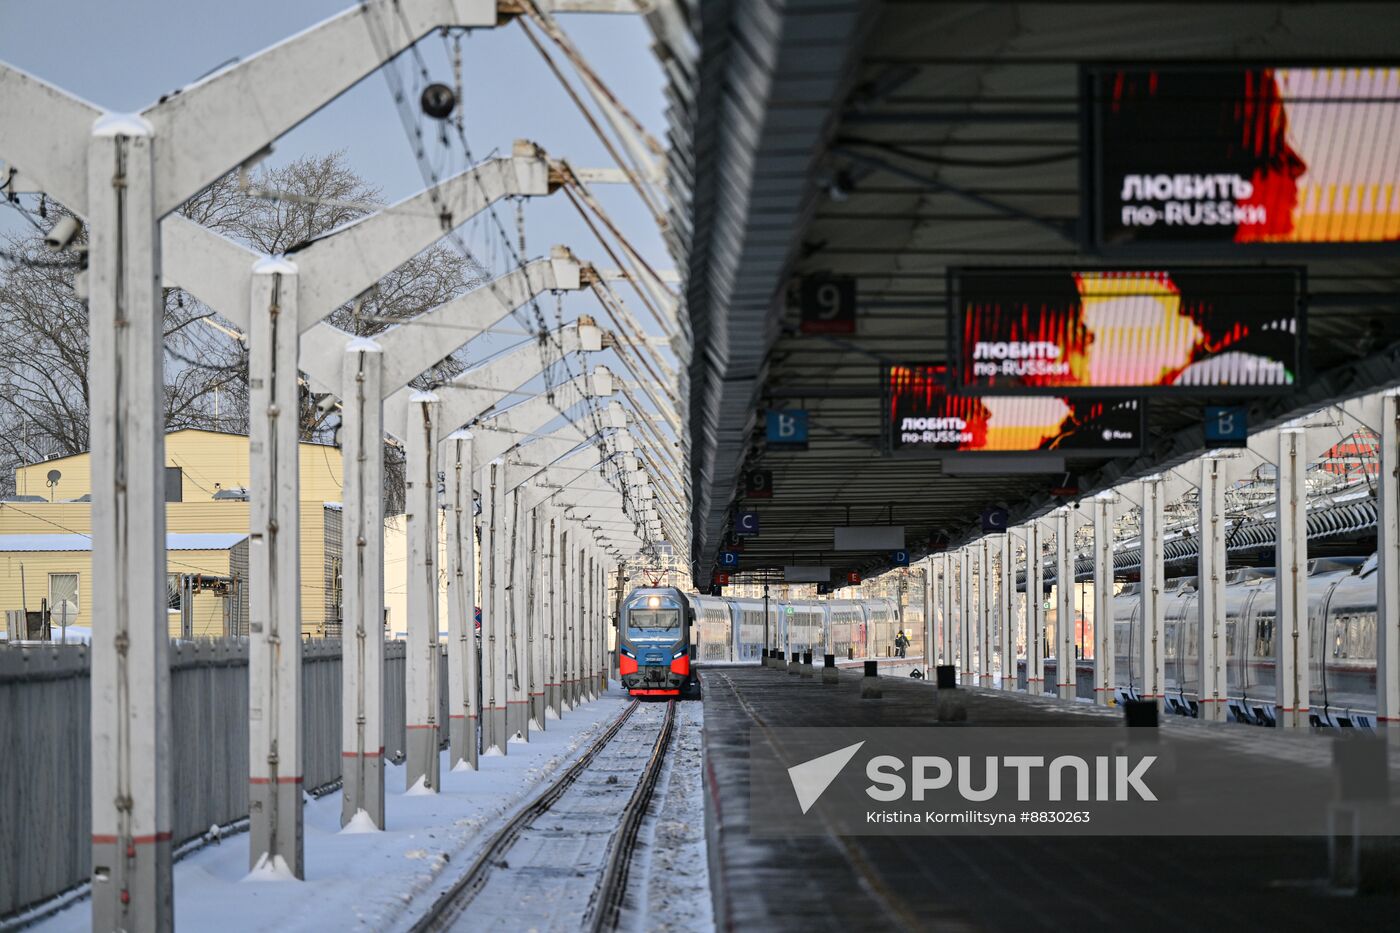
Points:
550	27
629	168
431	176
662	319
413	128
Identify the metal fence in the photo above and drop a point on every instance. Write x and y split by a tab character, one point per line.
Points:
46	766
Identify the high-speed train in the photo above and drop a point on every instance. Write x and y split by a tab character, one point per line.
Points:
1342	618
732	629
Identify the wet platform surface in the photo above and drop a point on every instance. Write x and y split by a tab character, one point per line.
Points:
1013	883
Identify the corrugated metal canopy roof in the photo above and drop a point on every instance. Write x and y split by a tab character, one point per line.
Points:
951	133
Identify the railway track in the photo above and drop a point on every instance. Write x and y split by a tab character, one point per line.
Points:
563	861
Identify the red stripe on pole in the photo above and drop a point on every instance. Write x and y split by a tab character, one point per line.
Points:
105	839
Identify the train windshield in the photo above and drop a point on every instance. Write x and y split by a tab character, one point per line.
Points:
653	618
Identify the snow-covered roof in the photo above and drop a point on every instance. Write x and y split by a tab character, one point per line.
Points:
220	541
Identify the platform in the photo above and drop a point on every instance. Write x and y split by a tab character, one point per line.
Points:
991	883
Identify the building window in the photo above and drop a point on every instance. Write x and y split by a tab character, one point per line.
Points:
174	484
63	598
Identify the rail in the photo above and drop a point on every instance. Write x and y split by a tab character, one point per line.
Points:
606	900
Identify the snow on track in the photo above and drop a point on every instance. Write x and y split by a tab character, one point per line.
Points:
546	878
669	888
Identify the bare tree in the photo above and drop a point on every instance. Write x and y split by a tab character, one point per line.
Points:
43	324
44	398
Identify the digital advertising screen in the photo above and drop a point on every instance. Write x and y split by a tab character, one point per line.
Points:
922	416
1205	331
1250	155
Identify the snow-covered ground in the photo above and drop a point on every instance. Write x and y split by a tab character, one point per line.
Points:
364	880
669	885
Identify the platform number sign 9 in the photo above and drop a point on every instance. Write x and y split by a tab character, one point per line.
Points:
758	484
828	305
1227	425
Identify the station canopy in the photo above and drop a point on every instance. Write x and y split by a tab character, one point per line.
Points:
830	152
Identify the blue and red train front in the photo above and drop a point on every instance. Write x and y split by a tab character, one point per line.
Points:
654	647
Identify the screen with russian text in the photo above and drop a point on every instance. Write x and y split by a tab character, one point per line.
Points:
1201	330
1247	155
921	415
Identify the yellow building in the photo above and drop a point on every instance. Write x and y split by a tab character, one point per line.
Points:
46	584
207	477
198	465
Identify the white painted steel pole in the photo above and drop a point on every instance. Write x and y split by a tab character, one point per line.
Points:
1291	640
362	582
585	631
1104	647
535	573
580	588
423	766
131	805
553	644
493	613
1153	642
513	596
462	674
1035	612
568	602
1006	619
929	647
274	572
1211	650
985	589
1066	661
1388	559
946	567
591	597
966	620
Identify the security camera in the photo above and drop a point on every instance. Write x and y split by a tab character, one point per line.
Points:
62	233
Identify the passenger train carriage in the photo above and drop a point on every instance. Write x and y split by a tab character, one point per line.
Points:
1342	619
732	629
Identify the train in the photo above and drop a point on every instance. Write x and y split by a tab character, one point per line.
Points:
1342	617
656	643
1342	628
733	630
663	633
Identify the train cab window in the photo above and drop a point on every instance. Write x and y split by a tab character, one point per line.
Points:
1264	638
1355	635
653	617
1366	643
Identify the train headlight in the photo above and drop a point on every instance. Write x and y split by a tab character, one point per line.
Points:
653	602
627	652
677	654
